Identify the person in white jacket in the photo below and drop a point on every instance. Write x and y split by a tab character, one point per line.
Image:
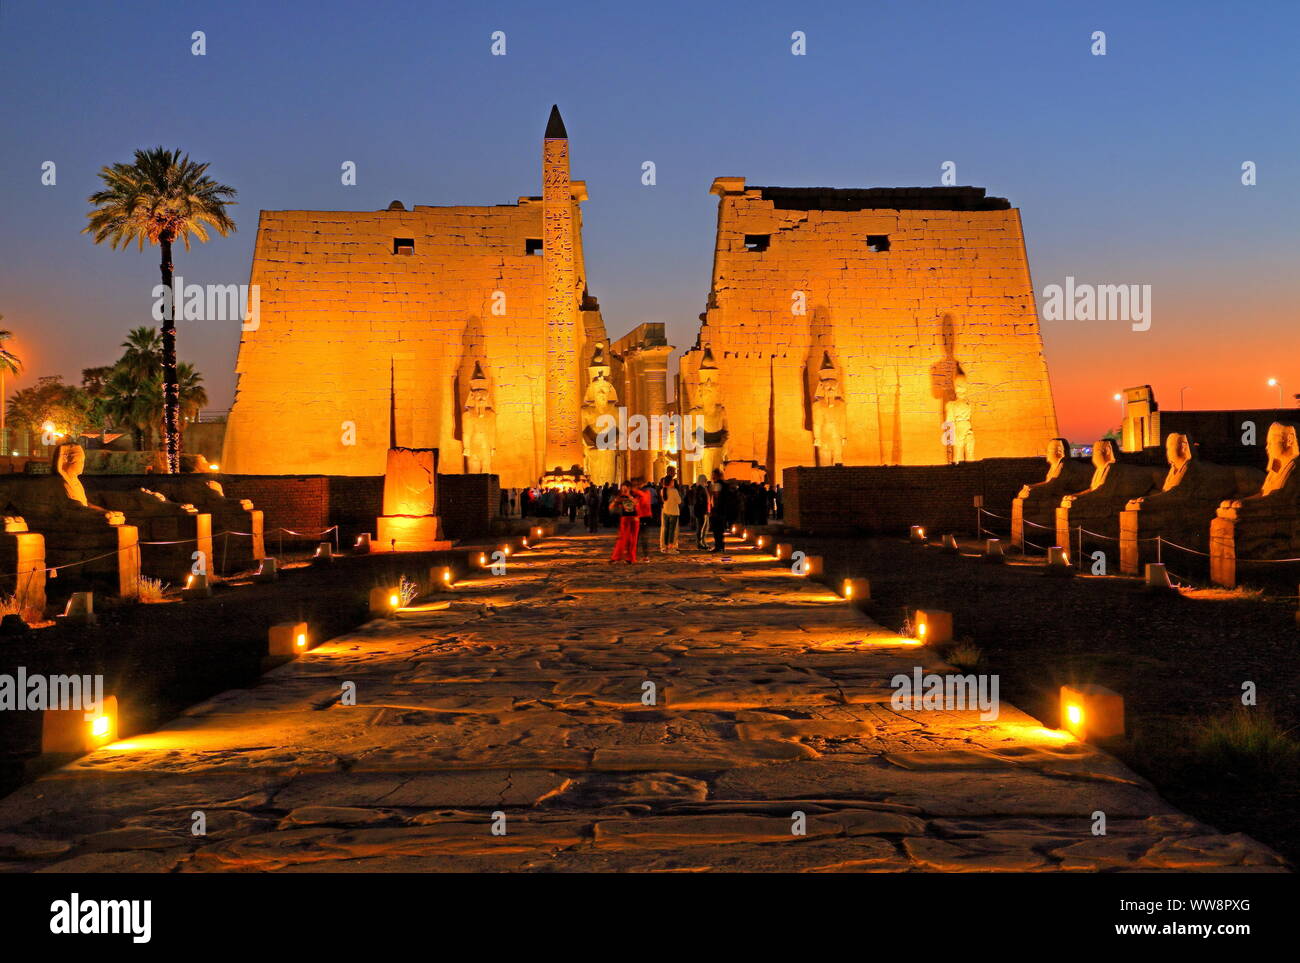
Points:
671	494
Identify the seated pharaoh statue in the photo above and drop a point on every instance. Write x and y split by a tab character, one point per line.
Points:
1032	510
1096	510
1181	511
1265	525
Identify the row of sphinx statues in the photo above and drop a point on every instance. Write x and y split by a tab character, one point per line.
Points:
1225	513
112	535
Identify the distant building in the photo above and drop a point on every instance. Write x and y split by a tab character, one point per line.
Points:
1228	437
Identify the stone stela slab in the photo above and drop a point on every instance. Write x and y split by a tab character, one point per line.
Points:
410	521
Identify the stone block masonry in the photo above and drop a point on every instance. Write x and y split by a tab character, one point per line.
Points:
907	290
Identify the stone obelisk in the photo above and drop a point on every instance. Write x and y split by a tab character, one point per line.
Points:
560	281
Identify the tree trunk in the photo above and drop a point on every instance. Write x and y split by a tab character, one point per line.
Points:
171	387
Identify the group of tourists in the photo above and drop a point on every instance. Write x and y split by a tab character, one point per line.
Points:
701	512
540	502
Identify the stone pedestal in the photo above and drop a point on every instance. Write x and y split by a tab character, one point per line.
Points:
172	532
1181	512
1033	512
1097	510
23	554
410	522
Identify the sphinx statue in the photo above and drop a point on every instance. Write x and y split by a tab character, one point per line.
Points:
1097	508
1181	510
94	540
247	543
170	532
709	416
829	417
479	425
600	431
1265	524
1033	509
957	416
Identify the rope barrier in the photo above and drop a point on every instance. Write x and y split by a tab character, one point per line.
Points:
185	541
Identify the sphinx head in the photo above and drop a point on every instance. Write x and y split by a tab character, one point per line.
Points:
1103	453
1057	450
67	463
1178	449
1281	445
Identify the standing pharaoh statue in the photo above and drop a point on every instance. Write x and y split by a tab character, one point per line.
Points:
957	421
480	425
600	422
829	415
709	418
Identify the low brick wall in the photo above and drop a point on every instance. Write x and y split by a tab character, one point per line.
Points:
468	504
300	503
887	499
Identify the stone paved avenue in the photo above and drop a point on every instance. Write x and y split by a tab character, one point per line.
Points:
524	697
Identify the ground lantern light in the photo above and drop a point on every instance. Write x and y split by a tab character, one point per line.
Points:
916	534
1091	712
1058	561
70	731
385	601
288	638
856	590
933	626
268	570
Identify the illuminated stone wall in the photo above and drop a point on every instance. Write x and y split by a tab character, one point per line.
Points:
343	316
371	325
951	294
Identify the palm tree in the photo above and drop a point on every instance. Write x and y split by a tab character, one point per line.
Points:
194	397
141	353
161	197
132	402
10	363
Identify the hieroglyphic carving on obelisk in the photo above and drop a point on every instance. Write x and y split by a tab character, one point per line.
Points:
560	278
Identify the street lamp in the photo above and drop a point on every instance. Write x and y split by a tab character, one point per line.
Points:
1181	405
1274	383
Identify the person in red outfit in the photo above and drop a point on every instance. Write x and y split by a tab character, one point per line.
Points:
624	507
644	512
